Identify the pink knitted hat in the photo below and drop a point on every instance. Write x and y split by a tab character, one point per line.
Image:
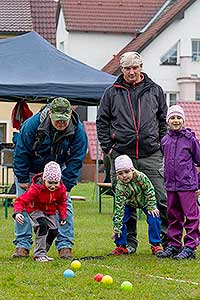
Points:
175	110
52	172
123	162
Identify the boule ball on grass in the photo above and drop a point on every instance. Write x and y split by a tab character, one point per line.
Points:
107	280
126	286
75	264
68	273
98	277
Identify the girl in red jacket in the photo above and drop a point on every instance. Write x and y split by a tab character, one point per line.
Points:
46	195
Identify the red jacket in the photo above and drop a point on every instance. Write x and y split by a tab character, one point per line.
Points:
38	197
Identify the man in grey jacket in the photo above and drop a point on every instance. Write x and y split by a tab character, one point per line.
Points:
131	120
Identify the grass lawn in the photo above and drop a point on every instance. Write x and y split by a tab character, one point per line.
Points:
151	278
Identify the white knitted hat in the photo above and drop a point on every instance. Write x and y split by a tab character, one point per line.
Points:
175	110
123	162
52	172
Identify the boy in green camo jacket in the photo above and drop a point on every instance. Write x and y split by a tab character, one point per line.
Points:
134	190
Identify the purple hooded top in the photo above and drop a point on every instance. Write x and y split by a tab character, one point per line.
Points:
181	156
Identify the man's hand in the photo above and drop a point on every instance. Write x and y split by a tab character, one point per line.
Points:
154	213
19	218
25	185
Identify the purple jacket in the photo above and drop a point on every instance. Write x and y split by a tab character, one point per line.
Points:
181	153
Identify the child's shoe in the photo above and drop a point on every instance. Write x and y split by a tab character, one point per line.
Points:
119	251
156	250
44	258
186	253
170	251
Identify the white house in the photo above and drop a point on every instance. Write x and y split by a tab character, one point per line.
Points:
170	47
169	40
93	31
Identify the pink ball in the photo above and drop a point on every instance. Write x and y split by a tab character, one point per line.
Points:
98	277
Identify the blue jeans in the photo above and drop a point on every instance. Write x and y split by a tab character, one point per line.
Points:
23	232
154	224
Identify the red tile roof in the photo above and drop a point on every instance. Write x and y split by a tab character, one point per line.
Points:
15	16
44	18
90	128
20	16
127	16
192	115
144	39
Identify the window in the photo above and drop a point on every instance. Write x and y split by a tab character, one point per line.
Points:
2	132
170	57
198	91
172	98
196	50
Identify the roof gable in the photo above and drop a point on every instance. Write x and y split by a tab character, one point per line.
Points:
144	39
119	16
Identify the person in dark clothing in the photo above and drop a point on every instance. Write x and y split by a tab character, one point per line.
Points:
131	120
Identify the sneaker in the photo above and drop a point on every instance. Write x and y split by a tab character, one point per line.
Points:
170	251
44	258
119	251
156	250
186	253
65	253
131	249
20	252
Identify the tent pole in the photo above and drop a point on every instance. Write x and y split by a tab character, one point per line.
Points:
97	164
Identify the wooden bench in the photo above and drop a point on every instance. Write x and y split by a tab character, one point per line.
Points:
103	188
78	198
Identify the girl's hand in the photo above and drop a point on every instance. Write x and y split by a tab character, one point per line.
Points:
19	218
113	236
154	213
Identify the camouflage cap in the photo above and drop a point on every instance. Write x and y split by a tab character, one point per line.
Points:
60	109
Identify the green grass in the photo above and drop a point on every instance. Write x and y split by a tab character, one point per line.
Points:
27	279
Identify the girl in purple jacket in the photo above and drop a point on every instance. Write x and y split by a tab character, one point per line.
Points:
181	156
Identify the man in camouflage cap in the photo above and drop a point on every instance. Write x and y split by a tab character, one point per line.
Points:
54	133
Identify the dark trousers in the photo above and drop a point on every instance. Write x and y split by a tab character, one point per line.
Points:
152	166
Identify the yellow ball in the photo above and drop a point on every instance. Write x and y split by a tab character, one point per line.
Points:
107	279
75	265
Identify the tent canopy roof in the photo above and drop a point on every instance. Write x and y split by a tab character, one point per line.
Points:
33	69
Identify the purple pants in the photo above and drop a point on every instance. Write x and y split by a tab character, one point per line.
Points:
183	213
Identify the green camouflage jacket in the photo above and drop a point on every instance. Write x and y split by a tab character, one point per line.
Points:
138	193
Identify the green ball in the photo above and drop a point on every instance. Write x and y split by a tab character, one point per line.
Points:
126	286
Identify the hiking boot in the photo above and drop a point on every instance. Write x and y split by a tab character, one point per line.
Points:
20	252
156	250
186	253
119	251
131	249
170	251
65	253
